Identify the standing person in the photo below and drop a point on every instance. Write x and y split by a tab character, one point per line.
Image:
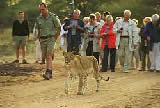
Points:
49	27
135	52
104	15
20	34
126	39
37	45
99	19
152	33
117	58
84	38
93	33
108	44
75	28
145	62
63	35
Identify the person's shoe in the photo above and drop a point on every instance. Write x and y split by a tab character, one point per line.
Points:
112	70
157	70
103	70
15	61
142	69
43	62
48	74
24	61
125	71
151	70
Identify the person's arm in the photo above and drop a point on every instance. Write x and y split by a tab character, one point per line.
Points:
115	27
80	26
58	32
35	32
58	26
13	29
146	32
37	28
67	26
135	34
110	31
27	28
102	31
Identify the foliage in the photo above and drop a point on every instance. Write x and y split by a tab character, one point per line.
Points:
139	8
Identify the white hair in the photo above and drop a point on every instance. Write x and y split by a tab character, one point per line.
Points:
155	17
127	11
97	13
148	18
77	10
85	18
109	17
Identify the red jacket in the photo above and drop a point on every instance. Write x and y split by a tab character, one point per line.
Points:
111	36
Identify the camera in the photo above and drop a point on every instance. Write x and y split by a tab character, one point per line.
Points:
121	28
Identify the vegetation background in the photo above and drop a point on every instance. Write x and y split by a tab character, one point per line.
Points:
62	8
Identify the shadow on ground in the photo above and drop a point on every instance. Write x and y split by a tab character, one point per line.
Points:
11	69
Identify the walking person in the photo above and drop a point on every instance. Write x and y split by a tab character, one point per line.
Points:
20	34
49	27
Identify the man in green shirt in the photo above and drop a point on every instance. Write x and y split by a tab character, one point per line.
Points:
48	26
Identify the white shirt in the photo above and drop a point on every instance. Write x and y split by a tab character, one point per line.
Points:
125	29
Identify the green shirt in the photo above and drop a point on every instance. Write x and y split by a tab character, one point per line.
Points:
48	25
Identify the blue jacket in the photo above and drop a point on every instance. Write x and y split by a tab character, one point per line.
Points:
153	32
76	38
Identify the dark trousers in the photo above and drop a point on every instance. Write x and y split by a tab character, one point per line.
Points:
73	46
112	52
89	51
144	57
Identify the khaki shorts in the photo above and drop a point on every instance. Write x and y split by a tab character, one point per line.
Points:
47	44
20	40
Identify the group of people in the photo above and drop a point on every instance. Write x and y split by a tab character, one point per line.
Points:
110	41
100	36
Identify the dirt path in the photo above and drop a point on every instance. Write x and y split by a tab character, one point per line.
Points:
124	90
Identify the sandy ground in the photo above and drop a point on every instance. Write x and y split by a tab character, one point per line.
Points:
23	87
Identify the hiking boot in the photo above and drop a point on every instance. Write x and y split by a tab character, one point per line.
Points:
15	61
112	70
24	61
48	74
